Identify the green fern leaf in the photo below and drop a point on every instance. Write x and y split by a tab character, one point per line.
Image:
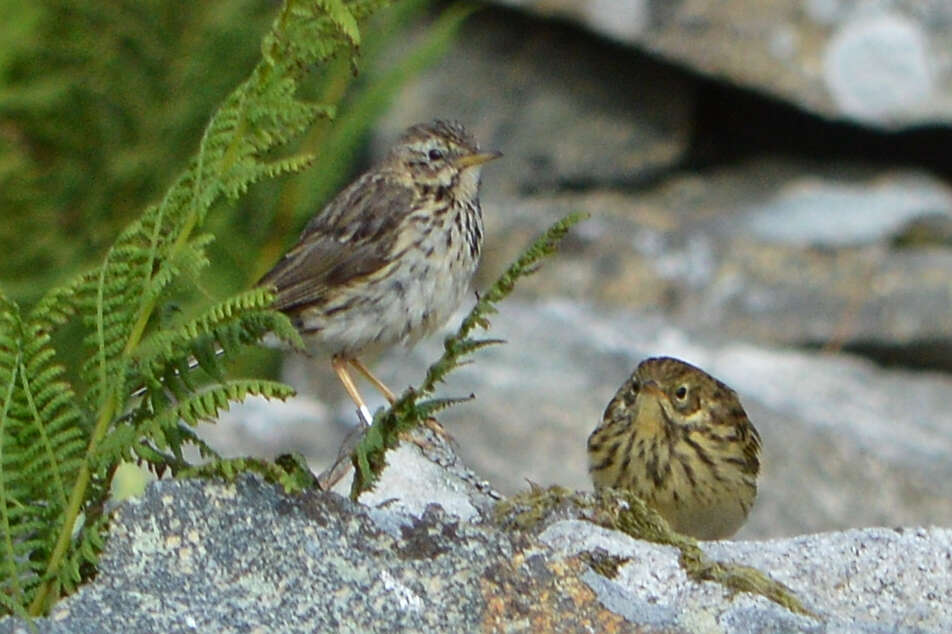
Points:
41	450
233	323
291	472
206	405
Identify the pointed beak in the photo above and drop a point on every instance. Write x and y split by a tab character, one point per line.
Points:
471	160
652	388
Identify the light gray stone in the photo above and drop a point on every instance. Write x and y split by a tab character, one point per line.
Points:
879	64
878	68
896	578
769	251
832	213
428	472
244	557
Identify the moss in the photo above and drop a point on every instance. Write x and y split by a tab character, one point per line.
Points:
526	511
625	512
604	563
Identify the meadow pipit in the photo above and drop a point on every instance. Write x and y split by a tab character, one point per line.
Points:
391	257
679	439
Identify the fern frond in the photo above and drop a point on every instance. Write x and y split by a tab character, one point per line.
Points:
250	174
430	407
88	544
237	321
12	551
207	404
57	306
158	461
406	412
455	349
188	262
55	424
42	439
290	471
117	303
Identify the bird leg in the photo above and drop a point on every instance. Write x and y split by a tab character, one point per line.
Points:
377	383
340	367
339	364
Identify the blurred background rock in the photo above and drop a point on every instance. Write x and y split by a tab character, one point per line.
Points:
768	184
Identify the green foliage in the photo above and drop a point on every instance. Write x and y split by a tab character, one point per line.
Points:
100	105
102	102
137	394
408	411
290	471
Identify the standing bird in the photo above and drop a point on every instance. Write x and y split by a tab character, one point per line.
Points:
680	440
391	257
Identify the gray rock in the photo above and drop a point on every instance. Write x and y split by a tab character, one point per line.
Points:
878	68
193	556
894	578
897	578
833	213
206	556
880	64
415	479
770	251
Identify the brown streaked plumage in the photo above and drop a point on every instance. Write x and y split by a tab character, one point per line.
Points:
679	439
391	257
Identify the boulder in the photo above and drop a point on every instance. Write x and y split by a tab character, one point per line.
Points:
244	556
877	64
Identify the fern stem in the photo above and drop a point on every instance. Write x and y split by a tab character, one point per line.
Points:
45	439
149	299
100	335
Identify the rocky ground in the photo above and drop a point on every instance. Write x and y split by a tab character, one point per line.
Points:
428	550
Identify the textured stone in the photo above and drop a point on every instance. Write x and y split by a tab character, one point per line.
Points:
426	473
774	252
244	557
880	64
877	68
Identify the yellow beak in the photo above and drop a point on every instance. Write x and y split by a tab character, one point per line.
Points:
476	159
653	389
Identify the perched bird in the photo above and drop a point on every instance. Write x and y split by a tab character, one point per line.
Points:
391	257
680	440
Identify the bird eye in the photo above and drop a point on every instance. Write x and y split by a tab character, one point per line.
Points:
681	393
435	155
